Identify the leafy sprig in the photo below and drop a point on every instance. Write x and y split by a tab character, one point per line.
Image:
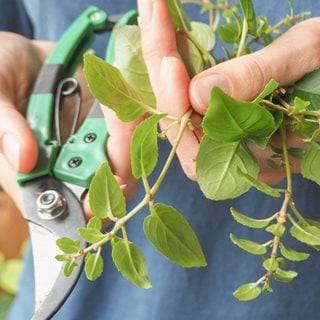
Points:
225	166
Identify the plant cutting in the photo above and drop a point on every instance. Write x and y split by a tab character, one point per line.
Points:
226	168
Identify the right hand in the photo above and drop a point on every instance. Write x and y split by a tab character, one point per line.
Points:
21	60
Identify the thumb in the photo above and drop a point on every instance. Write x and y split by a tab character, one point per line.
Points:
17	143
286	60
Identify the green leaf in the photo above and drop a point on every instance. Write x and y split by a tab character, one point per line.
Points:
270	264
314	137
270	87
68	245
249	246
306	234
216	168
276	229
129	60
249	14
310	163
203	35
308	89
144	147
293	255
10	275
111	89
297	153
95	223
62	257
191	56
247	292
299	105
178	15
262	25
69	267
172	235
250	222
105	196
230	120
229	32
130	262
284	275
259	185
5	302
93	266
91	235
266	287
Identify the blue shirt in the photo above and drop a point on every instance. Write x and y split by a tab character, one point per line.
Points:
177	293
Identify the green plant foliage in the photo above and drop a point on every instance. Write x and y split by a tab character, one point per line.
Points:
241	120
105	196
172	235
225	167
93	266
259	185
144	147
178	15
250	222
249	14
102	77
293	255
247	292
249	246
308	89
219	178
129	60
68	245
310	163
130	262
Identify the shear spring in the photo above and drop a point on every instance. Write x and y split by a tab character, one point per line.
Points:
66	88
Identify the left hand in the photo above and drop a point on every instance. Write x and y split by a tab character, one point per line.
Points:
285	60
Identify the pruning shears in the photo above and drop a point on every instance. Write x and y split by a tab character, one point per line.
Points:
53	191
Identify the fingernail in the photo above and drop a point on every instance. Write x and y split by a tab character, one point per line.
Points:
202	88
145	11
11	149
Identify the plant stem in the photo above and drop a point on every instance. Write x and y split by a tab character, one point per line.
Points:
150	192
243	38
283	213
183	125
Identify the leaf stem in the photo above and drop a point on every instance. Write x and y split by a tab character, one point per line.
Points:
150	192
183	125
243	38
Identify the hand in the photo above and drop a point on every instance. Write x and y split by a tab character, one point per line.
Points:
286	60
21	60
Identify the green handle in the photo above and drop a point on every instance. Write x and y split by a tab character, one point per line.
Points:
84	151
61	63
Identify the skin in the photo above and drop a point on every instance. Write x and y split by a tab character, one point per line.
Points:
286	60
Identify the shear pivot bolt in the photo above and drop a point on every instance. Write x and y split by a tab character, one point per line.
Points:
90	137
51	205
74	162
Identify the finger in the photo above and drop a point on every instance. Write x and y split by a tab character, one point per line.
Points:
285	60
168	75
17	143
118	149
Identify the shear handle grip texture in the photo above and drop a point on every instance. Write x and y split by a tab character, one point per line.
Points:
60	63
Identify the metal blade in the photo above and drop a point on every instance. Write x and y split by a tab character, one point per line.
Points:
52	287
43	243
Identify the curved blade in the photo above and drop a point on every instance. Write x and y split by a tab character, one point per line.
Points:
52	286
